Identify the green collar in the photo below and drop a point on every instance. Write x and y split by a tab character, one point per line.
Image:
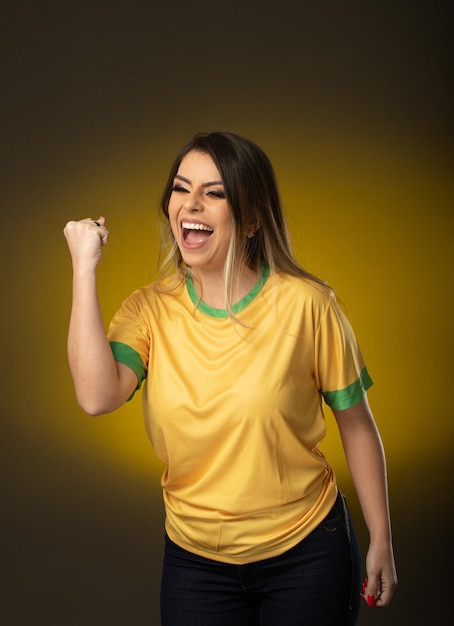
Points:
237	307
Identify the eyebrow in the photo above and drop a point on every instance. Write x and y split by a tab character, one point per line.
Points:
211	182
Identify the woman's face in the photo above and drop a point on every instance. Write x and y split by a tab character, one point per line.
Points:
199	214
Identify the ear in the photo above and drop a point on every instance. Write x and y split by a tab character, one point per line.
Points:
251	229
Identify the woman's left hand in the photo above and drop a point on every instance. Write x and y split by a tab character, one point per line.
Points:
378	587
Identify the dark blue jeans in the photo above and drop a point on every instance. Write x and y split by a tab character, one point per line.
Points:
316	583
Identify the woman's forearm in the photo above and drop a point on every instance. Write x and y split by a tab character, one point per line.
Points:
91	362
366	461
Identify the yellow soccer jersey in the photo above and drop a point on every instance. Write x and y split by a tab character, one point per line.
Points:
236	412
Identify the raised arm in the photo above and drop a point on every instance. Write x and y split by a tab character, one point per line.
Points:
101	384
366	461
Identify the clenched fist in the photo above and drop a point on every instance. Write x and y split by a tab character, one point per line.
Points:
85	240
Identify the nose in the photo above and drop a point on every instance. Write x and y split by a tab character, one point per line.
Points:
192	203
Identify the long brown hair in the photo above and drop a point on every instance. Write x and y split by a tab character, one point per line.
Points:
255	206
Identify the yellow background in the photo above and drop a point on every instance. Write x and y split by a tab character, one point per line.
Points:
351	103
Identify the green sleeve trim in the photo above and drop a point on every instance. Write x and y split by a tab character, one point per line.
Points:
351	395
130	357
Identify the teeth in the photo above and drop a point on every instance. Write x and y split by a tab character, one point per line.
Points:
190	226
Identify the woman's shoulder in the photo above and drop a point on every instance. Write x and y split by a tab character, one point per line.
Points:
305	287
299	299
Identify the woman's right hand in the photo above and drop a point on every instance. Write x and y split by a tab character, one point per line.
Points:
85	239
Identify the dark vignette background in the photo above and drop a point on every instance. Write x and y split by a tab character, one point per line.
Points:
353	102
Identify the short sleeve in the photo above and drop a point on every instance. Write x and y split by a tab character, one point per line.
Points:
341	374
129	336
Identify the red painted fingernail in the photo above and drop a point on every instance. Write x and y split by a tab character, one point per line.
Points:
364	586
370	600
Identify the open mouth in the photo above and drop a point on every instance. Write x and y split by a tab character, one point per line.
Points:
195	233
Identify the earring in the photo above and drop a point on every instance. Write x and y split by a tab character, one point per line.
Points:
251	235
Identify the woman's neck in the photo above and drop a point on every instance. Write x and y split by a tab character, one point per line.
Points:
210	286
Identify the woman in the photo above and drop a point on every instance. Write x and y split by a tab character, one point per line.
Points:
239	348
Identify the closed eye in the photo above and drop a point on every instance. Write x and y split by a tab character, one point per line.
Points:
215	193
